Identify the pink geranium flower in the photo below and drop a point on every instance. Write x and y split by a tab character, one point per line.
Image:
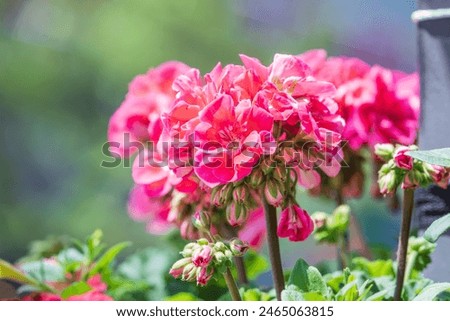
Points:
402	160
139	116
230	140
154	211
295	224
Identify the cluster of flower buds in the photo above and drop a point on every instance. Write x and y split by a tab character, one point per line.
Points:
402	169
203	259
331	228
238	200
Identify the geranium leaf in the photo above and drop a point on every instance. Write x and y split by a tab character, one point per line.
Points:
9	272
435	156
432	291
76	288
108	257
437	228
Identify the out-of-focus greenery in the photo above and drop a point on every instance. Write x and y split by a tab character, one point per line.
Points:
64	69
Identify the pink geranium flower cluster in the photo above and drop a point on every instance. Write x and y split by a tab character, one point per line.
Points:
218	143
379	105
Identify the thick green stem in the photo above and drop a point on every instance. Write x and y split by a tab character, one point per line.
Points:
232	287
274	248
407	209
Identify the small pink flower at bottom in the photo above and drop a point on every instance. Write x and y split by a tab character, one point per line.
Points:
91	296
204	274
203	256
440	176
295	224
44	296
402	160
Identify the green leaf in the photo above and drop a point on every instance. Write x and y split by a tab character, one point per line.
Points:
108	257
435	156
378	296
432	291
182	296
299	275
255	264
437	228
150	265
76	288
349	292
44	271
316	282
9	272
291	293
374	268
252	295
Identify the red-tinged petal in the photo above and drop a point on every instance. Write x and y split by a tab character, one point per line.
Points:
313	88
285	66
254	64
308	179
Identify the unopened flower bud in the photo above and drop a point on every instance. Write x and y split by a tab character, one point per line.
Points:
273	193
202	241
228	254
240	194
189	272
320	219
267	167
384	151
236	214
226	194
238	247
402	160
202	221
439	175
387	182
411	180
189	249
220	258
177	268
216	196
188	230
202	256
219	246
279	173
204	274
256	179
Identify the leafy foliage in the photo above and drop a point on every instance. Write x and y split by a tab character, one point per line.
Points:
439	157
367	280
437	228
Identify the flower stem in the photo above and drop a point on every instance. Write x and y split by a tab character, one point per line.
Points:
228	232
407	209
274	248
231	284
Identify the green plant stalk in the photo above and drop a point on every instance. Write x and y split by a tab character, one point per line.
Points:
410	265
270	213
343	251
407	209
232	287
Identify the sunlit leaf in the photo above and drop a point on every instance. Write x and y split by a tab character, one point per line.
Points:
437	228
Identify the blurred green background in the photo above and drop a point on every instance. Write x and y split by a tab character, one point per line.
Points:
65	66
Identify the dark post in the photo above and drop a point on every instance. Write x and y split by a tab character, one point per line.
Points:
434	58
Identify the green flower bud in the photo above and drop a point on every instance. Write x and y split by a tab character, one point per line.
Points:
384	151
238	247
